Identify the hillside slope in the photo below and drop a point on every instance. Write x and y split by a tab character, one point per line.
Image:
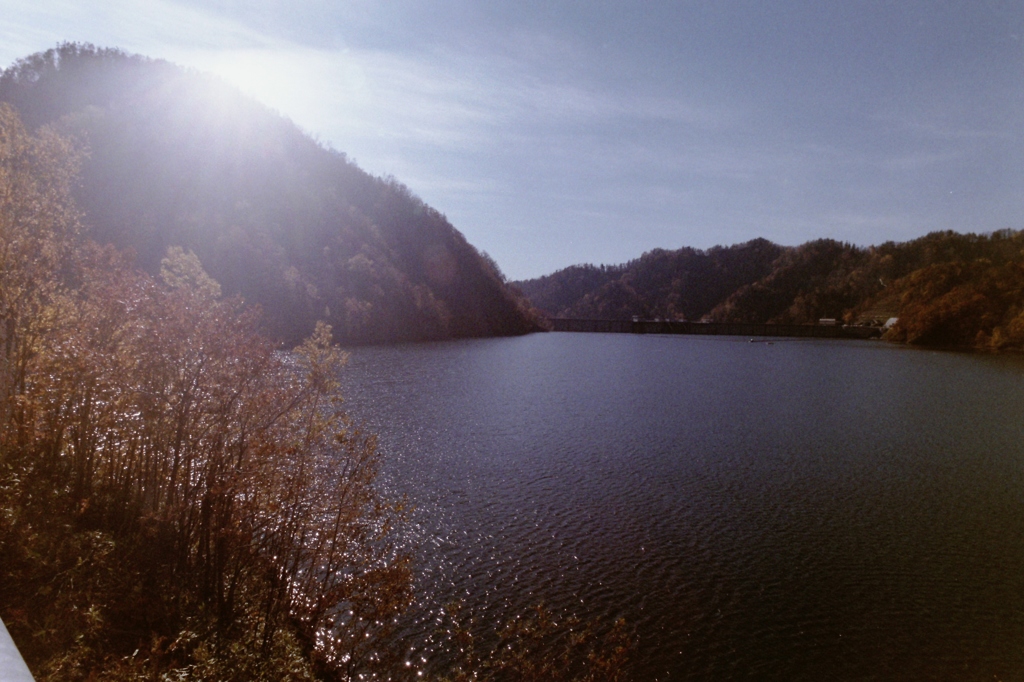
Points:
946	288
177	158
682	284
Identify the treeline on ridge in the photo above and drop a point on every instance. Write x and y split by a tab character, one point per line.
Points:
946	288
177	158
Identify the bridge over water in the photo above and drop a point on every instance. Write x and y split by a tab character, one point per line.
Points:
817	331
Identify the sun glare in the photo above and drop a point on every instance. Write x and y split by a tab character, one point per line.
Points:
268	76
320	91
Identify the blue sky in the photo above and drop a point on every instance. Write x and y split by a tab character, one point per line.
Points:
554	133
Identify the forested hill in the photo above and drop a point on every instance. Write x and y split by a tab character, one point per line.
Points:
177	158
946	288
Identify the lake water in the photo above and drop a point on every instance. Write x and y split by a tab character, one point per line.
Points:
802	510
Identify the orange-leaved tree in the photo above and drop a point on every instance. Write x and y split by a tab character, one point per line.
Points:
38	226
149	425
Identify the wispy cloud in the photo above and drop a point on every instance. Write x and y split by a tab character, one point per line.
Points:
918	161
531	131
129	24
937	127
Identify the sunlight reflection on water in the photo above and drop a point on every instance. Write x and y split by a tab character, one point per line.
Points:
809	509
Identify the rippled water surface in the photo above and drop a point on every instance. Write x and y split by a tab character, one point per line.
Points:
794	511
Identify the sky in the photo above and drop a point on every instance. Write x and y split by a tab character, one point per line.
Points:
562	132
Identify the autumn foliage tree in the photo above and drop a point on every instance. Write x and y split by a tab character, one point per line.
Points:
178	498
976	304
147	426
38	224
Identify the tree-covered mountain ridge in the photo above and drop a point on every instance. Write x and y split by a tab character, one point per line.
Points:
945	288
178	158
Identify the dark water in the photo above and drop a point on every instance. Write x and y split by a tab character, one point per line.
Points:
806	510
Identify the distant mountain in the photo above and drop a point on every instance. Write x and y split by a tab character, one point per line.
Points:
947	289
178	158
683	284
